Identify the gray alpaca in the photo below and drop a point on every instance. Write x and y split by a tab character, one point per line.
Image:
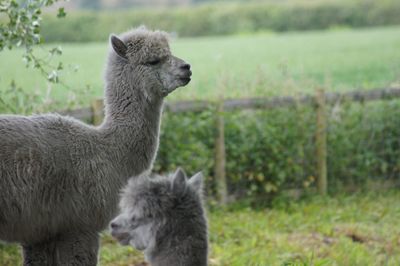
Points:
60	179
164	216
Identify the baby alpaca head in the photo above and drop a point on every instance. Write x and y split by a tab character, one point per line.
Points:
149	205
147	53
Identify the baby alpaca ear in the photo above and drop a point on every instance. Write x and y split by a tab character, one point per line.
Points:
179	182
119	46
196	182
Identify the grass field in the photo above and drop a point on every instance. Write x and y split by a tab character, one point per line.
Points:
357	230
246	65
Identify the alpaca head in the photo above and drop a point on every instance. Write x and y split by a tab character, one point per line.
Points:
149	204
147	54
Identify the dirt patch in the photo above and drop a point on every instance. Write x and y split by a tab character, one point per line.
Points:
140	264
358	235
312	240
366	236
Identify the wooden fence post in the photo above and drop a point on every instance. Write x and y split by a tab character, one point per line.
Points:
219	170
320	139
97	111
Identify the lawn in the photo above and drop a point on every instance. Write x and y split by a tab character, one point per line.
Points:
346	230
245	65
350	230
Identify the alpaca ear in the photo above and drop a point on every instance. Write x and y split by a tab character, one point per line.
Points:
119	46
179	182
196	182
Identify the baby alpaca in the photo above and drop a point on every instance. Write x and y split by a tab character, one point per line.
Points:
164	216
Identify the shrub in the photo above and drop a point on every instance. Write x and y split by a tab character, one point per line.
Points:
271	150
225	18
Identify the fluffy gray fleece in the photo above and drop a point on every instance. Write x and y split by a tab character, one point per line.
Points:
60	178
164	216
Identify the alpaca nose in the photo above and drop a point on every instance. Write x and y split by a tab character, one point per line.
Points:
185	67
114	225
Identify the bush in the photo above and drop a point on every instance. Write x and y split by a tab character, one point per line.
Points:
225	18
271	150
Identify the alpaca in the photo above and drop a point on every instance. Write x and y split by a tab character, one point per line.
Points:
60	178
164	216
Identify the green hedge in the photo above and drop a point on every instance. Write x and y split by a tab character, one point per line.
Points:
224	18
274	149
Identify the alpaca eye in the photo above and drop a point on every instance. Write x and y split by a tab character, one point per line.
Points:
154	62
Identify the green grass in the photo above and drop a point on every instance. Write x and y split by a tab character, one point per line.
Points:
246	65
360	229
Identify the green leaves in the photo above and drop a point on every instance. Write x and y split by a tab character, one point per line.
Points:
272	150
55	51
22	24
53	76
21	28
61	13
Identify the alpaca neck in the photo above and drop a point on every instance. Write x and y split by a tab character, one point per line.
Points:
190	245
131	127
131	109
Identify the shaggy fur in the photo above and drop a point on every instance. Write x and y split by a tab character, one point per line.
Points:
164	216
60	178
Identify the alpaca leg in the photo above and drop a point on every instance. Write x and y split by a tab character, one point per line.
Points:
72	250
39	254
79	249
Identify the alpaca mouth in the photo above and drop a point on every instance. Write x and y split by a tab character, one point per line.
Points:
122	238
140	247
185	80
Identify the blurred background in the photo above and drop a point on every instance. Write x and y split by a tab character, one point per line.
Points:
293	114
